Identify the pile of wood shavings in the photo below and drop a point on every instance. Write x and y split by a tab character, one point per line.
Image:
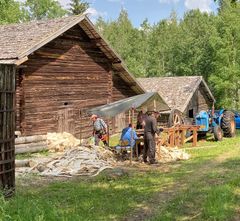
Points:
81	160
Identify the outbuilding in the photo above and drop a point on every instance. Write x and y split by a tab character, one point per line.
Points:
188	94
63	67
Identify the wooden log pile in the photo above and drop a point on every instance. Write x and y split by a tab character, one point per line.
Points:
30	144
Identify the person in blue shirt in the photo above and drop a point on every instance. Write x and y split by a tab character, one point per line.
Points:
129	136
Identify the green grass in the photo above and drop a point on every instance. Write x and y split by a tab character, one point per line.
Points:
32	155
206	187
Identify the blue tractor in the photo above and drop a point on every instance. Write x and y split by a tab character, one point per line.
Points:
221	123
237	119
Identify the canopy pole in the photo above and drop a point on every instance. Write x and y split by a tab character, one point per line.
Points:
129	116
108	133
80	125
131	149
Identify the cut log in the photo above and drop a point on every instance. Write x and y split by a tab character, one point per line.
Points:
30	139
22	163
30	148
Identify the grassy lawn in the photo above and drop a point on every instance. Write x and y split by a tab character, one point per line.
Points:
206	187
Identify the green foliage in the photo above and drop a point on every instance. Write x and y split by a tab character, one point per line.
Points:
78	7
199	44
225	78
43	9
10	12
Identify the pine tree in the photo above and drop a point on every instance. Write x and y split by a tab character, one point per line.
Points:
78	7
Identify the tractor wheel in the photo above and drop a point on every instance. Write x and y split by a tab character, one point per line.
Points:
228	124
218	133
175	118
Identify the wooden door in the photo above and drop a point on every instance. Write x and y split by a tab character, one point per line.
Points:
66	121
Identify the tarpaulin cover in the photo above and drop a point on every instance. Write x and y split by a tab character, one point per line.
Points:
138	102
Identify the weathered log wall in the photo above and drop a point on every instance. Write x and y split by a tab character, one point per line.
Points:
203	101
198	103
121	89
7	128
60	80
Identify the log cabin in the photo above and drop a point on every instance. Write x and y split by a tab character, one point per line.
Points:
188	94
63	67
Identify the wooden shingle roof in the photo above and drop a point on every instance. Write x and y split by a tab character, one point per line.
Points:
176	91
17	41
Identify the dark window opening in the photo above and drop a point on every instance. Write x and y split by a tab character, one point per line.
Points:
65	103
190	113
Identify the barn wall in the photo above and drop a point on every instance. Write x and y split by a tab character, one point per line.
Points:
121	89
203	101
198	102
60	81
192	105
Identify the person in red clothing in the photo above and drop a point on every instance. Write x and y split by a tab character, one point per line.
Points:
99	130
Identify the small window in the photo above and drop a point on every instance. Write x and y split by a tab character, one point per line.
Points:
190	113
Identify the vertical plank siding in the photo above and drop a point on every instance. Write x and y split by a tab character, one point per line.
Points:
66	76
7	128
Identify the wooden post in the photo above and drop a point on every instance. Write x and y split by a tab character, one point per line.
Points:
131	149
7	129
177	137
129	116
108	133
80	126
171	137
183	132
194	144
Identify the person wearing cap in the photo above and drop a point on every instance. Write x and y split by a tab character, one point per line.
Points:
99	130
150	129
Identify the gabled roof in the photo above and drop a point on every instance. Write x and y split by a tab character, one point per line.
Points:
17	41
176	91
138	102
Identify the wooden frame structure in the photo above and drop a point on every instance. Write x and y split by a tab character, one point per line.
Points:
7	128
176	135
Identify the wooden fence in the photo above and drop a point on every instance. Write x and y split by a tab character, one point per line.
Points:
7	128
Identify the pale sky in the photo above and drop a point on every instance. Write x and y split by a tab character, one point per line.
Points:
138	10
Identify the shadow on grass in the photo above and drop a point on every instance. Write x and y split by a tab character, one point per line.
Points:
215	196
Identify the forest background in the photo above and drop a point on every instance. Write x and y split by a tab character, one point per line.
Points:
199	43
